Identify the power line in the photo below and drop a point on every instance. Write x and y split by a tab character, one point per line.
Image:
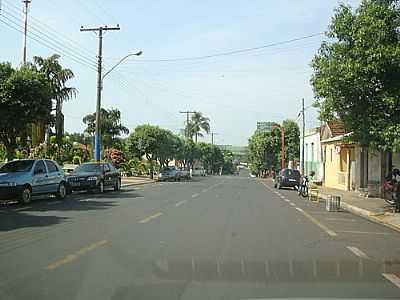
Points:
39	41
244	50
34	22
54	42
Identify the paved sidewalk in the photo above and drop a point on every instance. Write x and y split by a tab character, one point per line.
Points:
374	209
133	180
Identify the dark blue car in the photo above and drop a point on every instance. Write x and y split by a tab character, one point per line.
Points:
22	179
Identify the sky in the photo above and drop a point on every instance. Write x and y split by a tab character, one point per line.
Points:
234	91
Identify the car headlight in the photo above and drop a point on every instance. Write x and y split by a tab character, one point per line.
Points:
12	184
92	178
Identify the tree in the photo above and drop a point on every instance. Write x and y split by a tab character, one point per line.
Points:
264	149
188	152
292	140
25	97
211	157
111	126
58	77
198	123
145	141
356	74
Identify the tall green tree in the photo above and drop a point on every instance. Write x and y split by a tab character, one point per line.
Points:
25	97
357	71
58	77
197	124
111	126
292	140
264	149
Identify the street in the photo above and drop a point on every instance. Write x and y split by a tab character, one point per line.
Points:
217	237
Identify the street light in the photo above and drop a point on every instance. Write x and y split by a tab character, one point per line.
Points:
98	106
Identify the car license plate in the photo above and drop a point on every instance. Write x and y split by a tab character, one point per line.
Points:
75	183
2	184
292	180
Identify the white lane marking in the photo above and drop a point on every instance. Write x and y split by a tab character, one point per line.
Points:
287	200
363	232
299	209
357	252
204	191
148	219
180	203
195	195
292	204
340	219
392	278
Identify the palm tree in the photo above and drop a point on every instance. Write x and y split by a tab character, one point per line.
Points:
198	123
58	77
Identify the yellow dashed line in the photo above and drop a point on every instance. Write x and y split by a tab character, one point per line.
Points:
75	256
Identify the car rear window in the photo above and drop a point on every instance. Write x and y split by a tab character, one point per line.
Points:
17	166
290	172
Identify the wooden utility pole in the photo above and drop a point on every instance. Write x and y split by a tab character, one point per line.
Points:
25	11
303	135
97	141
187	122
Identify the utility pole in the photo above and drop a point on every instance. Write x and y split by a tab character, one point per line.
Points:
25	12
187	121
303	134
97	141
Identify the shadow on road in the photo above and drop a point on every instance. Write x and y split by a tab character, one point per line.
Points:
11	220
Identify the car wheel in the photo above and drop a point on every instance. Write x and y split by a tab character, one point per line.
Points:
117	185
62	191
26	195
100	188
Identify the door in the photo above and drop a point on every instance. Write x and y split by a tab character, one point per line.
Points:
40	178
108	176
54	176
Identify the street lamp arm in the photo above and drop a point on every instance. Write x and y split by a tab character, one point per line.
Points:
121	61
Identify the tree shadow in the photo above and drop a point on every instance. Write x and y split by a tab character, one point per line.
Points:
11	220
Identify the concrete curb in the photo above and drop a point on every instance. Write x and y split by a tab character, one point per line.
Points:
374	217
137	183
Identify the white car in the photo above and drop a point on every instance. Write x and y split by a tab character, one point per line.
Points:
198	172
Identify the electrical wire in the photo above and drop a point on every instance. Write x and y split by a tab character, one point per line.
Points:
46	38
228	53
36	23
16	27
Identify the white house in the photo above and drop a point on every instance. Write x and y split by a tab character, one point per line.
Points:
312	153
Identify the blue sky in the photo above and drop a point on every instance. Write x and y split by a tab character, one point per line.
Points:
233	91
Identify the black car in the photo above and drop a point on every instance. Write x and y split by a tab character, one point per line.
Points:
287	178
94	176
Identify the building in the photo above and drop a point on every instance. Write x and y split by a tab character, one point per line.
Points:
264	126
312	153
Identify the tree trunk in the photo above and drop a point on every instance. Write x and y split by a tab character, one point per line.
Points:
151	169
196	137
59	123
10	149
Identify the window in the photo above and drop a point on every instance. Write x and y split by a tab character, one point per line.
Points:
40	168
106	167
17	166
51	166
312	152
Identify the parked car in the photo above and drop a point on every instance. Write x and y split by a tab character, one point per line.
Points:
69	168
22	179
168	173
183	174
287	178
94	177
198	171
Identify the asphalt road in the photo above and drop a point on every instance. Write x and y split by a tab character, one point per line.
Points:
228	237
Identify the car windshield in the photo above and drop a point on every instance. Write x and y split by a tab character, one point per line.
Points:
90	168
17	166
292	173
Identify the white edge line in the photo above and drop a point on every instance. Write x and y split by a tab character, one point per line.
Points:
392	278
299	209
357	252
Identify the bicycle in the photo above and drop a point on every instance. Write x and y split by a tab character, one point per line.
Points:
302	190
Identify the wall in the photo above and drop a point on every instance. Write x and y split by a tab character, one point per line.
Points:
312	154
337	167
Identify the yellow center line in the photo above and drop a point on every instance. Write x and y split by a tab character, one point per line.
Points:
148	219
76	255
